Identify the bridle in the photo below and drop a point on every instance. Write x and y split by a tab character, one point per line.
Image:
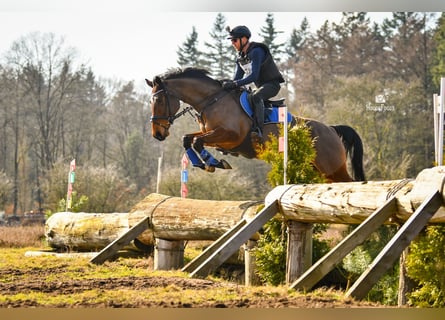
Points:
170	117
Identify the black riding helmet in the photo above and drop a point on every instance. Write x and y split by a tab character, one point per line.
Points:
238	32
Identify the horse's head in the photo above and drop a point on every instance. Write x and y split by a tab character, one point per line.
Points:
163	108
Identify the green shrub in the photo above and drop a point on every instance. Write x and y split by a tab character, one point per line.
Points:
354	264
270	253
301	156
425	264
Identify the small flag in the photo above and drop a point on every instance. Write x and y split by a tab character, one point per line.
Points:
281	144
73	165
281	114
184	190
185	161
184	176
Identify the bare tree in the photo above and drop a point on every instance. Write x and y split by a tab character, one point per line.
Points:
44	69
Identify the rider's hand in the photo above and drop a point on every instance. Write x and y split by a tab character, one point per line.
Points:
229	85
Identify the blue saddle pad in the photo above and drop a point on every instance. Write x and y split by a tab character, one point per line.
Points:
270	114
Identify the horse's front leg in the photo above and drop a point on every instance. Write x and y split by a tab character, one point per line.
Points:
187	141
210	162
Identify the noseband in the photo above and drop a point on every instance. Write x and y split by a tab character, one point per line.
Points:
170	117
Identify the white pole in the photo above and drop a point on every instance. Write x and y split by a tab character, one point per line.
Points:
442	103
285	147
436	127
159	177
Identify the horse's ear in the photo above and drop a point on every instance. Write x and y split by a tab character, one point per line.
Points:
150	84
157	80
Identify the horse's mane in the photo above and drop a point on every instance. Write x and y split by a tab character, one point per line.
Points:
189	72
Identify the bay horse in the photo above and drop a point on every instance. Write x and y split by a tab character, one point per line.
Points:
226	126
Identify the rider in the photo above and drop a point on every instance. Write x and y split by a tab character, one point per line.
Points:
254	65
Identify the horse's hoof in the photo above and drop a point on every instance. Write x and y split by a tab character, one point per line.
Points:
223	164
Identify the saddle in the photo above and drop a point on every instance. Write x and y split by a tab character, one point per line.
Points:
270	108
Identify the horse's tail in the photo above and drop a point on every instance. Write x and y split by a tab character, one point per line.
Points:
354	147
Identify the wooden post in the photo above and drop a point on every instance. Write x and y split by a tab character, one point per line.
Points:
250	277
299	249
406	284
168	255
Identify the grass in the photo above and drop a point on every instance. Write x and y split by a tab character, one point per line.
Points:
52	272
49	281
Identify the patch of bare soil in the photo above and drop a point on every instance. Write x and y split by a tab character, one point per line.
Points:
34	283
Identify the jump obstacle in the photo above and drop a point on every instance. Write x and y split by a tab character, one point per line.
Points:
409	203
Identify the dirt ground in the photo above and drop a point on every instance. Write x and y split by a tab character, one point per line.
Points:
34	283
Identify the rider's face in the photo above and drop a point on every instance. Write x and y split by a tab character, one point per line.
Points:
236	43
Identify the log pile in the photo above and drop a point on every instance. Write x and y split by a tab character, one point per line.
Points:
171	218
174	218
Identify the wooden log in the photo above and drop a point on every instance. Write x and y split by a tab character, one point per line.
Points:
174	218
353	202
84	231
170	218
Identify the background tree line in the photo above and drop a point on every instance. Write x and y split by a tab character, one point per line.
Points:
54	109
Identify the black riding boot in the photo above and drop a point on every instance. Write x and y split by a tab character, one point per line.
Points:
259	116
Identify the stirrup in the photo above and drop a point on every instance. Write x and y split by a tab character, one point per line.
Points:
257	132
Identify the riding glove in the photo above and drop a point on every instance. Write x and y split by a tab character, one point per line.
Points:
228	85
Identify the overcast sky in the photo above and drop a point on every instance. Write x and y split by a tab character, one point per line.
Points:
132	39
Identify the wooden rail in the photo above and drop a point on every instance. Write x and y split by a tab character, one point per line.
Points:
353	202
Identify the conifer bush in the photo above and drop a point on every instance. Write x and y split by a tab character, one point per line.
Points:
425	264
270	253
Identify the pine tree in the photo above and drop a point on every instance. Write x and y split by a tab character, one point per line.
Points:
269	34
219	54
189	54
297	40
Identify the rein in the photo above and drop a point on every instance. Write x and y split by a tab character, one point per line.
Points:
171	118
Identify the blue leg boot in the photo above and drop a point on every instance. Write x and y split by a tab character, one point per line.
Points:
208	158
194	159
